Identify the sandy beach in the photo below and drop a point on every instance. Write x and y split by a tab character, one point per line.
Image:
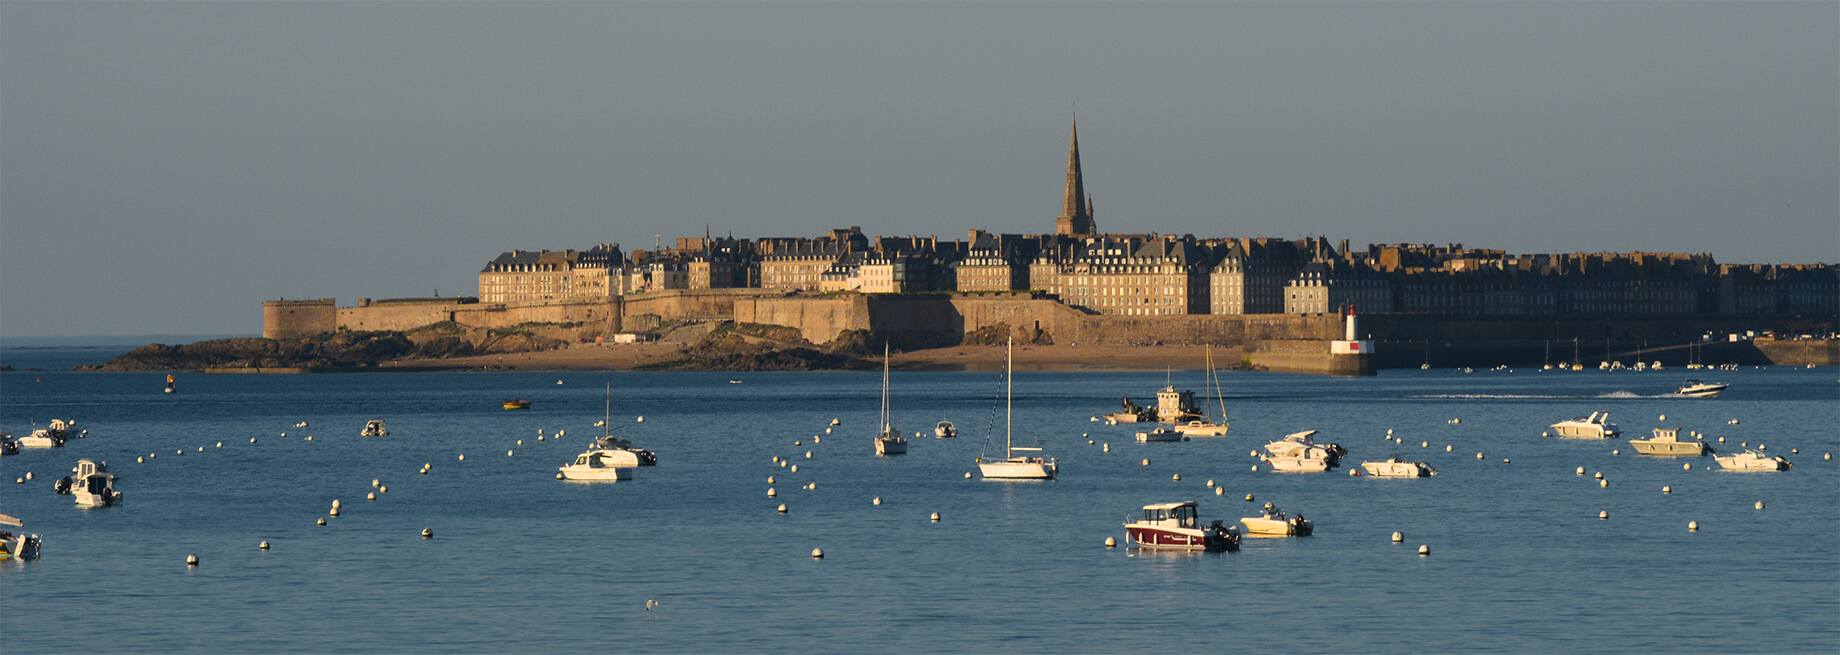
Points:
619	357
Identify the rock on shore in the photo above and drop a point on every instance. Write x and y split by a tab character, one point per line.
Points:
350	350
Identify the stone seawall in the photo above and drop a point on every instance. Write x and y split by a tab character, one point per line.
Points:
293	319
1305	356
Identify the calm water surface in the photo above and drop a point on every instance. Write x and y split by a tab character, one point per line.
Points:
1519	562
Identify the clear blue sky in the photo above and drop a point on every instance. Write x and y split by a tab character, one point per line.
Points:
164	167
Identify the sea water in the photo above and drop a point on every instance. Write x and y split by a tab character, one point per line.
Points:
1519	560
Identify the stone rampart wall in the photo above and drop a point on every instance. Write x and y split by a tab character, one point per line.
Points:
292	319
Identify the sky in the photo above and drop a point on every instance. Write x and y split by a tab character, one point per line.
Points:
165	167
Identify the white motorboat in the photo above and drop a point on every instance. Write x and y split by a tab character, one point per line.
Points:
1751	460
1274	523
53	436
1595	426
891	441
1299	464
601	465
1013	466
1303	445
1697	389
945	430
374	429
1178	526
8	445
16	545
1667	442
1159	434
1205	426
1396	467
91	483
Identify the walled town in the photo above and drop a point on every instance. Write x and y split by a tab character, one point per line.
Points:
1080	284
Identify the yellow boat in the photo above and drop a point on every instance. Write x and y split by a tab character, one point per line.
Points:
517	404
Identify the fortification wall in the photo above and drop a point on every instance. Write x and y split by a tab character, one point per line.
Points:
1305	356
684	304
818	319
592	318
292	319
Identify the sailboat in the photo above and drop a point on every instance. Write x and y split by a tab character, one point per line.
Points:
1203	427
609	458
1011	466
891	442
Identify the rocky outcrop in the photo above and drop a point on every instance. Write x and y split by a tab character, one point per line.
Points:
726	350
341	350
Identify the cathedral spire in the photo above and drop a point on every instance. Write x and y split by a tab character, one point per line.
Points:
1076	207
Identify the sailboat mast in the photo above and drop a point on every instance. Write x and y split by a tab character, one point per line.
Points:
885	388
607	413
1009	387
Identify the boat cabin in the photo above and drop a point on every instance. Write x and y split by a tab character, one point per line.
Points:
1181	515
1173	405
1667	434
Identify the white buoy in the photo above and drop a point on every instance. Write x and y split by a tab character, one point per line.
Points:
810	486
1662	417
1146	462
1424	550
836	421
140	460
263	545
776	459
641	419
1616	452
827	430
1545	434
152	455
817	439
335	511
1177	477
1827	455
1478	455
795	468
520	442
1248	498
1759	504
1447	448
335	503
1667	489
1111	543
798	443
373	495
558	474
1424	444
1210	483
383	489
509	453
771	492
1107	448
1398	536
769	479
807	454
28	475
191	560
967	475
817	553
782	508
539	437
322	521
878	500
1686	467
309	437
1721	439
427	533
1220	491
252	440
1600	475
220	444
1505	460
935	517
1603	515
1603	483
1581	470
1253	454
1692	525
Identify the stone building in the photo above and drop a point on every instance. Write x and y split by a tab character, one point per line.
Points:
1136	277
797	263
1334	285
1251	275
995	262
523	276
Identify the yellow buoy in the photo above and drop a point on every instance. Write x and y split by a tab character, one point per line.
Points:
427	533
1603	515
878	500
1146	462
935	517
373	495
322	521
1692	525
1177	477
1667	489
263	545
191	560
1686	467
967	475
1759	504
1600	475
771	492
1424	550
1603	483
1210	483
1220	491
817	553
1581	470
1248	498
1398	536
769	479
1111	543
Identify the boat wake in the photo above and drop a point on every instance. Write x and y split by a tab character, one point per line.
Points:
1614	395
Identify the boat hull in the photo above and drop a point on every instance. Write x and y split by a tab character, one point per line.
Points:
1398	469
1742	463
890	446
1159	434
1297	464
1566	431
39	442
1164	538
576	473
1198	429
1259	526
1029	469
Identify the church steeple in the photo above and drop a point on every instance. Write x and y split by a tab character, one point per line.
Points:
1076	207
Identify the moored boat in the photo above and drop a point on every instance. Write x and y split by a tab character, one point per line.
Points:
16	545
91	483
1595	426
1303	445
1159	434
1275	523
1751	460
891	441
600	465
8	445
1299	464
1178	526
1396	467
52	436
374	429
517	403
945	430
1013	466
1667	442
1697	389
